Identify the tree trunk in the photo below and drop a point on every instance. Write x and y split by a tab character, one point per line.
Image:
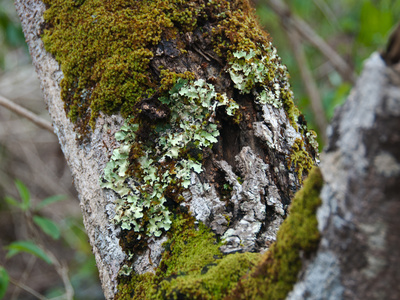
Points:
172	115
177	121
359	253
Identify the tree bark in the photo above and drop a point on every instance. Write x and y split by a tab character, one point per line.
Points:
85	161
359	253
248	175
245	184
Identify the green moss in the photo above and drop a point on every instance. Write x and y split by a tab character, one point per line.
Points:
192	267
135	287
105	48
300	159
298	236
236	28
215	280
169	79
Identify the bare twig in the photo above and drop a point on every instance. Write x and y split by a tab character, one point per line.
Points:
289	20
62	270
326	10
24	276
309	83
27	289
23	112
60	267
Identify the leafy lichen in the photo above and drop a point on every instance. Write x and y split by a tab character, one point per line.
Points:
142	198
265	77
105	49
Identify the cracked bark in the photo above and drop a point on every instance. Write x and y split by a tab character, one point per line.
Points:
256	152
358	257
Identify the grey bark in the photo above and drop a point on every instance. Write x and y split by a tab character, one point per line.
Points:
358	257
359	254
85	161
258	155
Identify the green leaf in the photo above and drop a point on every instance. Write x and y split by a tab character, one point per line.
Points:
27	247
4	279
48	227
24	194
50	200
375	23
10	200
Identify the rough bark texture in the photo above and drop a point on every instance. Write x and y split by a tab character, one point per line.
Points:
359	253
86	161
358	256
256	151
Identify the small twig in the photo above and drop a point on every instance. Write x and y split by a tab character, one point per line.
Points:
27	289
23	112
309	83
289	20
60	267
328	13
24	276
62	271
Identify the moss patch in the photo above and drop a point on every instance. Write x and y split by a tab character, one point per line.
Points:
275	276
192	267
107	51
300	159
105	48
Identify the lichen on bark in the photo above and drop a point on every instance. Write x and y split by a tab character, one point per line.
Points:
210	128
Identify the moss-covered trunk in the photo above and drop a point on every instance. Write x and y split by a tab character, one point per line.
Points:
178	123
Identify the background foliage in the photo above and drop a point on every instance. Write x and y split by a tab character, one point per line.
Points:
353	28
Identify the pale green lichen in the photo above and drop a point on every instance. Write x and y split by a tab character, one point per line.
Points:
262	75
312	138
142	202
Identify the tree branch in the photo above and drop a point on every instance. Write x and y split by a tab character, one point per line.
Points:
23	112
27	289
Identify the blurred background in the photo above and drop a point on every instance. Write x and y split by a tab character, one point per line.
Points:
323	43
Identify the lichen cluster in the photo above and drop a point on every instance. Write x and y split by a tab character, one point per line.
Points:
264	77
106	50
165	164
